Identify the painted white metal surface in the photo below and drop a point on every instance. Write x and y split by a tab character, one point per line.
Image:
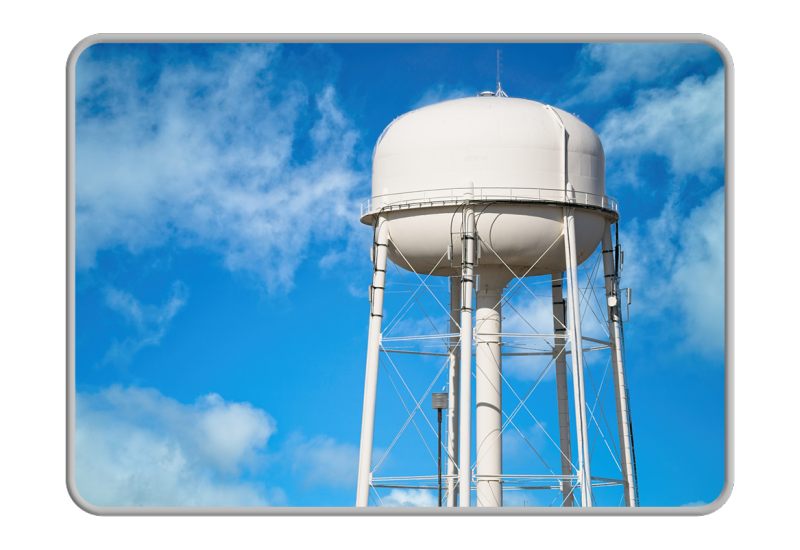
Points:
576	341
562	391
514	153
526	181
380	245
491	141
489	385
465	397
614	329
505	151
454	379
520	234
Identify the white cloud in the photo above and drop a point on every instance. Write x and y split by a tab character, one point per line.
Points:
358	291
695	503
410	498
678	263
136	447
521	498
699	275
151	322
323	461
685	124
533	314
514	445
529	313
527	368
607	69
212	155
440	92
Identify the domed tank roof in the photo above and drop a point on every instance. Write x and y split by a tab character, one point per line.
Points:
486	142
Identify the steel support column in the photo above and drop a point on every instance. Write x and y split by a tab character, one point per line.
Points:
453	386
560	358
620	388
465	419
576	342
380	249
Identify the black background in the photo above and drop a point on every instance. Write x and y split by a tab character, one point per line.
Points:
33	381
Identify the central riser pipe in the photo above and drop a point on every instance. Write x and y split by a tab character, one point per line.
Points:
488	391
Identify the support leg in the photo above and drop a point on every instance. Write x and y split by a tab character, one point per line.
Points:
373	355
465	397
452	417
615	333
576	341
560	358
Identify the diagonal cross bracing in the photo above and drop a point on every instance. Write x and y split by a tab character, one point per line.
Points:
407	411
411	415
519	282
521	405
407	305
424	282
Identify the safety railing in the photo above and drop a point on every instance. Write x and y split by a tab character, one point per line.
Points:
444	197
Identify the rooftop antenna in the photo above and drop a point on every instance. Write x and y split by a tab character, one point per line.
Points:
499	92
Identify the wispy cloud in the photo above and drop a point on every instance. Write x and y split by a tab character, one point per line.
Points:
137	447
529	315
684	124
151	322
609	69
695	503
410	498
677	263
323	461
440	92
518	443
221	154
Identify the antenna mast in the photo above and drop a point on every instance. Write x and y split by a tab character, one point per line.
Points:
499	92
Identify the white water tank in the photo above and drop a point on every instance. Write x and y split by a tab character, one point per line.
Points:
505	155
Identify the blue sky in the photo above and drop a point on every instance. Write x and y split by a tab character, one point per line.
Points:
222	272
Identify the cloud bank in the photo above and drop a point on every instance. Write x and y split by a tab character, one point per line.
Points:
136	447
323	461
410	498
685	125
609	69
220	154
440	92
678	264
694	504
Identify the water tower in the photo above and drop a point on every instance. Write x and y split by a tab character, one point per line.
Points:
488	190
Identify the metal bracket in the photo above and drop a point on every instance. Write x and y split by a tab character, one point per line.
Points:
451	249
628	304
